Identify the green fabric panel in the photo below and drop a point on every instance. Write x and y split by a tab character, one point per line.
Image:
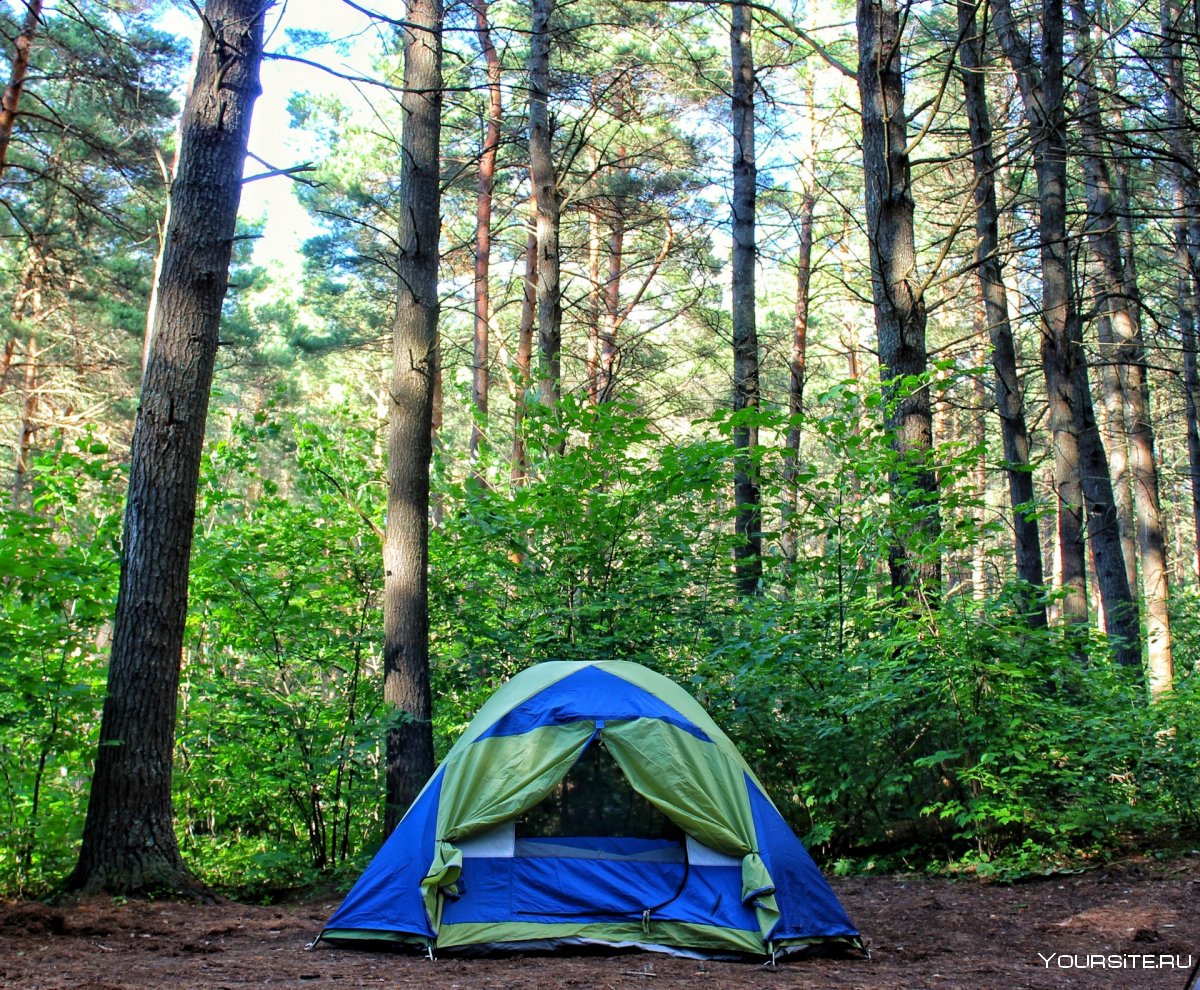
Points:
759	889
700	788
694	783
498	778
443	873
689	936
679	699
670	933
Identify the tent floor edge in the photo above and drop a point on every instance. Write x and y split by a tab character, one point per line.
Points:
615	939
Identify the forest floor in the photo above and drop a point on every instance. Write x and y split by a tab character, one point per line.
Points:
1141	915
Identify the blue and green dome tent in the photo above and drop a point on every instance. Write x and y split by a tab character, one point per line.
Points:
594	803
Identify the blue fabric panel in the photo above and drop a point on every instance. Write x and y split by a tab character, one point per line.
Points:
713	897
387	896
590	694
558	889
590	887
485	889
807	906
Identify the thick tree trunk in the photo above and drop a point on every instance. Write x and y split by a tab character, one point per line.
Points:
1189	313
1010	403
22	48
747	551
1187	239
1121	301
1080	463
483	224
1059	317
548	201
1116	439
129	843
410	759
896	290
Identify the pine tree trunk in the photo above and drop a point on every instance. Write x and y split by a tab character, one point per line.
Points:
899	309
979	439
129	843
483	224
1123	306
797	373
613	317
27	309
1080	463
595	302
524	369
6	357
747	551
23	46
410	758
548	200
1010	403
1116	437
1188	293
28	424
1187	239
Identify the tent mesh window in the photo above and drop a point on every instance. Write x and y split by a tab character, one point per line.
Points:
594	799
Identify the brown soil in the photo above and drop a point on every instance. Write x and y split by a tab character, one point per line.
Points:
923	933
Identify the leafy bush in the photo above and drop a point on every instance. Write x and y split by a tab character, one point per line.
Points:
59	565
280	711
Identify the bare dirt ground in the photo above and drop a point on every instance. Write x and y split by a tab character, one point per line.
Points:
1141	916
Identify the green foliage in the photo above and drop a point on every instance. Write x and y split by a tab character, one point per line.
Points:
279	714
58	581
606	552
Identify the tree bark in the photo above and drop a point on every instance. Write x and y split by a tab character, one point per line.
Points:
548	203
613	317
1010	403
22	49
1117	440
129	844
595	302
1187	240
1080	463
610	328
483	224
1188	293
524	369
1122	303
979	547
896	290
747	550
27	308
410	758
797	368
28	425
